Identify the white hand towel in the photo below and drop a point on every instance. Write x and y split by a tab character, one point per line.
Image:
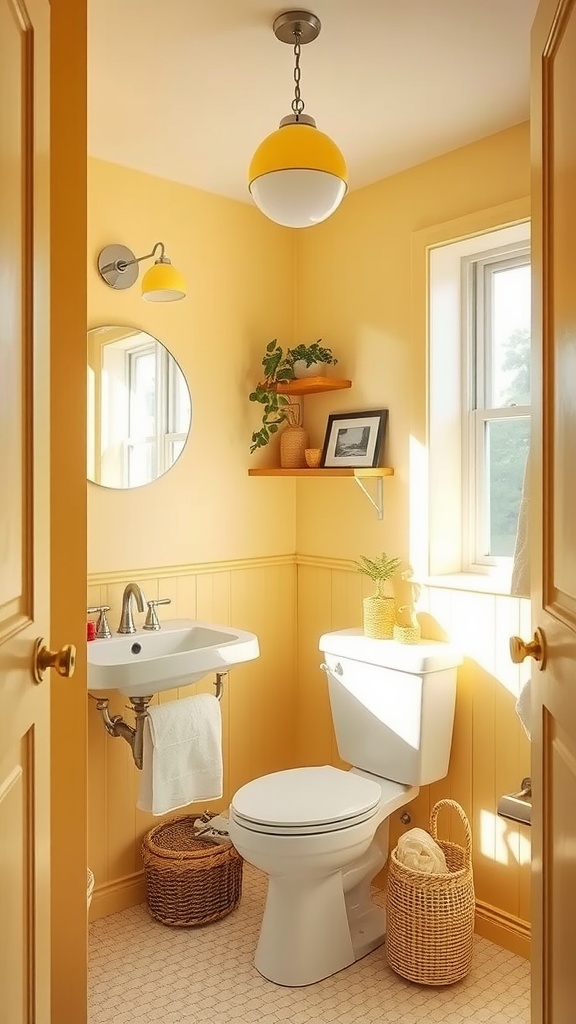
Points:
520	585
523	707
418	851
182	760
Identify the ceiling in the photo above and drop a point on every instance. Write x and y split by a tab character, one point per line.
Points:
186	89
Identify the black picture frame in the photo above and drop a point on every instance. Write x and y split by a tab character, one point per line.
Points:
354	440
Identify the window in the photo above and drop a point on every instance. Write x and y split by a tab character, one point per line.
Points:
478	398
496	400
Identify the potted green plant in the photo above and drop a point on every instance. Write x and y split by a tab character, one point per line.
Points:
379	608
277	408
310	360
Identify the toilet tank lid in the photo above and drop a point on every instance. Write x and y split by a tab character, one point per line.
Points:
425	656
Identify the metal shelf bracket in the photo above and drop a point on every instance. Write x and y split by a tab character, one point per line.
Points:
378	501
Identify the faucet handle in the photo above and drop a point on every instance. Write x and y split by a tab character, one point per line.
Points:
152	621
103	631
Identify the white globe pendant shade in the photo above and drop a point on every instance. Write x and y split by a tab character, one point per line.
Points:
297	176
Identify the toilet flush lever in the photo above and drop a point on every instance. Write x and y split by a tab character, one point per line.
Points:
336	671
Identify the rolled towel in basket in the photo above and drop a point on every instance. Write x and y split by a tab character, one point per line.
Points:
418	851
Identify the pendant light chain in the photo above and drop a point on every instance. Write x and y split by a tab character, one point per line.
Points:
297	102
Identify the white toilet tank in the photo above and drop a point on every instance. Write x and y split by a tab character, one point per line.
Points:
392	704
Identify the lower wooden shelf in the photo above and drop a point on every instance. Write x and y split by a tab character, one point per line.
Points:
359	475
329	471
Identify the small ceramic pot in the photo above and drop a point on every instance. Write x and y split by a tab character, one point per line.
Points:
313	457
314	370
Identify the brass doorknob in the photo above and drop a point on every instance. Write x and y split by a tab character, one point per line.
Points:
63	661
536	648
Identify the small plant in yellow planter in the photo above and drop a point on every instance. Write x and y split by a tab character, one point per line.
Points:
379	609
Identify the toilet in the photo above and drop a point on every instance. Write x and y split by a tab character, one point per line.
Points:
321	833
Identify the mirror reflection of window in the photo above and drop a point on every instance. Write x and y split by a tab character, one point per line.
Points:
139	406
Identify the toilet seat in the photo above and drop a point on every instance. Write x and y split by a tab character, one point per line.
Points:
306	801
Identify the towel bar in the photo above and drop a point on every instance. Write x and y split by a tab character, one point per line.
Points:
116	726
517	806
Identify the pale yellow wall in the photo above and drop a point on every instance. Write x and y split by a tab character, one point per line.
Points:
239	271
354	290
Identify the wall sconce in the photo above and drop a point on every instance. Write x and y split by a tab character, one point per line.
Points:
297	176
118	266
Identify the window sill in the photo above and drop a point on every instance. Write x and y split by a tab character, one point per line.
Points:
474	582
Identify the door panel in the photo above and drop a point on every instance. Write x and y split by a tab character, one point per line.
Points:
553	530
24	586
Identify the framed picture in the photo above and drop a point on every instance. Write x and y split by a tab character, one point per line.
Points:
354	439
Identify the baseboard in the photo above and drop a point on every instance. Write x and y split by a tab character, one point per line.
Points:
505	930
118	895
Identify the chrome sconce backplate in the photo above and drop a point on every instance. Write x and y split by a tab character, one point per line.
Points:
117	266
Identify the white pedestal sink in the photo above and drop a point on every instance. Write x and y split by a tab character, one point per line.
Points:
145	662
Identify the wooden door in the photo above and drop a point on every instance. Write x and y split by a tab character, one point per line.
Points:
24	508
554	522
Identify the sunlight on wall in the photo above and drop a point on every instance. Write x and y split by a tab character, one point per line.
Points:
419	502
495	844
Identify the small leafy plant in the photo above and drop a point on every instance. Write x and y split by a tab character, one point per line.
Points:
277	370
380	570
314	353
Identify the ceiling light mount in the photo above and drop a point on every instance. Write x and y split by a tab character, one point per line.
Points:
297	24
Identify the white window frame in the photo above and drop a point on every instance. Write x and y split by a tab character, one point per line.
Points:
439	541
478	270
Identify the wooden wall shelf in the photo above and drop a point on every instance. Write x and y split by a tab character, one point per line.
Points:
277	471
312	386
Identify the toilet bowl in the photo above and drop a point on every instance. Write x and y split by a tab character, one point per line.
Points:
320	860
321	833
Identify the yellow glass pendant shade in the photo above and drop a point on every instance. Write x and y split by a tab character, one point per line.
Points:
163	283
297	176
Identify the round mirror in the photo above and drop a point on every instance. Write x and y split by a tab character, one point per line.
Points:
139	407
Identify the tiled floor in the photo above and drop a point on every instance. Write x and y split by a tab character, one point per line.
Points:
143	971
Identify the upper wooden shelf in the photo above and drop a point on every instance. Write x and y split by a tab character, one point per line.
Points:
276	471
312	386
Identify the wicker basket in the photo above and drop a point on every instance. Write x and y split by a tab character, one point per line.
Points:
189	880
431	917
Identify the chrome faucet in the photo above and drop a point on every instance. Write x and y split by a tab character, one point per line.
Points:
131	590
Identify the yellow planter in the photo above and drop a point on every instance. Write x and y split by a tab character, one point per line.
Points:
378	617
406	634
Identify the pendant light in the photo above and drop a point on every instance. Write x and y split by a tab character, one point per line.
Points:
297	176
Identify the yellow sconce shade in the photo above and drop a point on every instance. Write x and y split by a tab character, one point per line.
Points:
163	283
297	176
118	267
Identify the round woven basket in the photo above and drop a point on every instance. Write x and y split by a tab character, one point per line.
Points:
189	880
430	930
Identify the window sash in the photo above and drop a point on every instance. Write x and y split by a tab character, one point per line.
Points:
478	275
